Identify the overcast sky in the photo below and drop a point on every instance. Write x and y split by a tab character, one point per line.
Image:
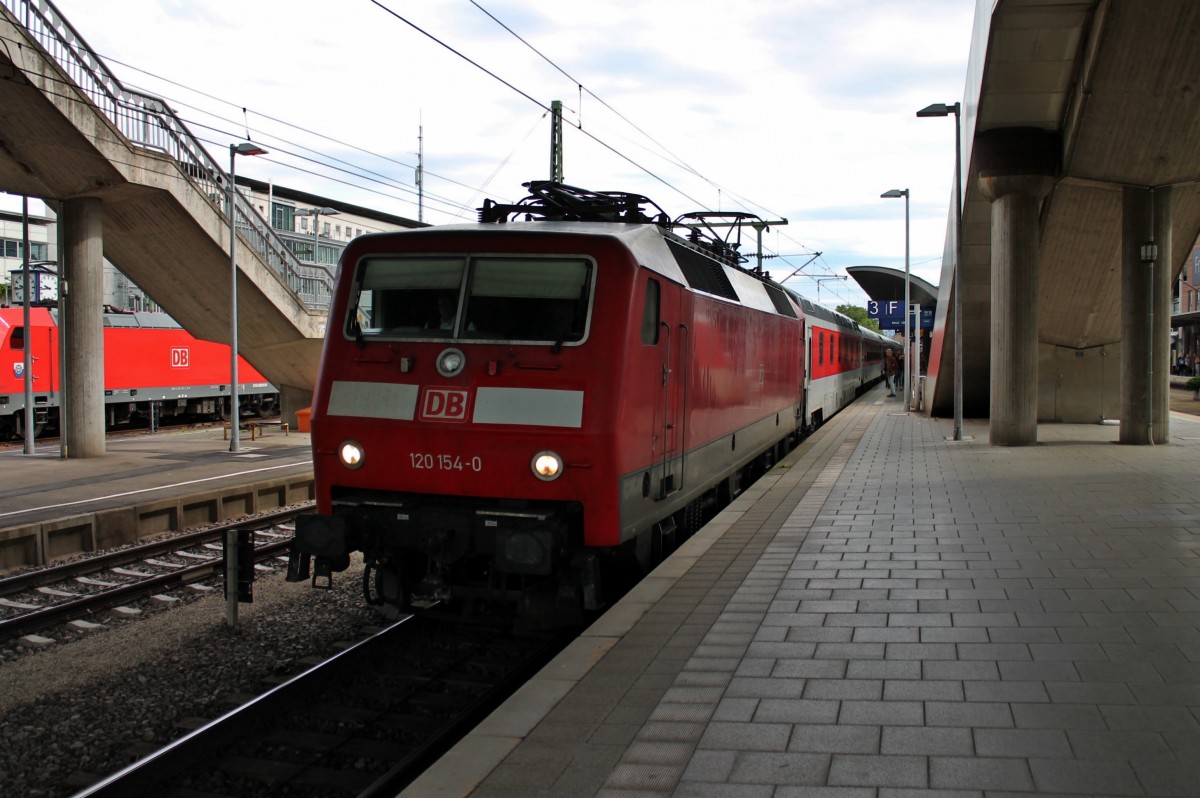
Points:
802	109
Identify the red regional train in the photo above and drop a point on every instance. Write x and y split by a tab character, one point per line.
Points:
504	408
148	358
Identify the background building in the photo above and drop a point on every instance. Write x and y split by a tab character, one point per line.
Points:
316	229
1185	319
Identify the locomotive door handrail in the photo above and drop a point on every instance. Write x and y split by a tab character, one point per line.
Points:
666	417
674	426
685	346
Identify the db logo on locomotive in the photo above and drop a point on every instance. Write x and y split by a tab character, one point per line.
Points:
444	404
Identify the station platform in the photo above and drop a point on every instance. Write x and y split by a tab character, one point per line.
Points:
146	484
890	613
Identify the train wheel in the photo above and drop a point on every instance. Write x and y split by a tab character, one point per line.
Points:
19	426
385	587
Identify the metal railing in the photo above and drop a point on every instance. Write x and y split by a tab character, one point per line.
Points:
147	122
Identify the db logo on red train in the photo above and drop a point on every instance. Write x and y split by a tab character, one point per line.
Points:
444	404
181	357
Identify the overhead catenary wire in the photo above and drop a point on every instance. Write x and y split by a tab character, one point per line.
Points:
537	102
355	172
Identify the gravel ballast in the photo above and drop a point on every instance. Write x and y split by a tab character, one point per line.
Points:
74	712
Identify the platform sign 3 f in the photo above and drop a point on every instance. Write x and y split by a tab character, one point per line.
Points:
181	357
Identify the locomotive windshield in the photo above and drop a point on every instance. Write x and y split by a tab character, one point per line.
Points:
517	299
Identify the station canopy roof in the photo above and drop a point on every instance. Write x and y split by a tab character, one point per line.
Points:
883	284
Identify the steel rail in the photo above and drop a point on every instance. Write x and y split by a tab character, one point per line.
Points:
29	580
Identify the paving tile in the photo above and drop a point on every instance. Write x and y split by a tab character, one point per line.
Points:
782	649
883	669
886	634
993	651
780	768
1144	746
1169	779
864	689
1119	672
806	668
784	710
979	773
1010	691
758	736
835	739
711	766
972	714
819	634
760	687
1022	743
901	792
735	709
696	789
926	740
1057	716
1046	671
1151	718
922	690
921	651
1073	652
876	713
849	651
878	771
1090	777
756	666
958	670
1166	694
1091	693
955	634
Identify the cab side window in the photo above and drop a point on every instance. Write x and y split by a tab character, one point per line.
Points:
650	313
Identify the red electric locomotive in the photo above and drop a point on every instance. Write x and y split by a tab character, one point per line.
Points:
148	358
504	407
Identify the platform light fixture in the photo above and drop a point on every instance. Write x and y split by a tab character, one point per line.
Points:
945	109
231	558
241	148
896	193
316	214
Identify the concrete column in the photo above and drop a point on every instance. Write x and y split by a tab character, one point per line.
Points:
292	399
81	310
1017	168
1145	315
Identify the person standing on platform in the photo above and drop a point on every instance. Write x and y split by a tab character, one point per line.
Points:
899	381
889	372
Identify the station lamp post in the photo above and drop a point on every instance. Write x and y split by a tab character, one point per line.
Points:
944	109
896	193
241	148
231	558
316	214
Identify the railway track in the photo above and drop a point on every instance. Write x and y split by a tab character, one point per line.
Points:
71	593
365	722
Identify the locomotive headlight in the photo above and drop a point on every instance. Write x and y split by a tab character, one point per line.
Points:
450	362
547	466
351	454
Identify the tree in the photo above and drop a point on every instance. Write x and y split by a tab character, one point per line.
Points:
859	315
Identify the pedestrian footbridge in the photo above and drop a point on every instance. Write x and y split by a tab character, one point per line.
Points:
131	183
